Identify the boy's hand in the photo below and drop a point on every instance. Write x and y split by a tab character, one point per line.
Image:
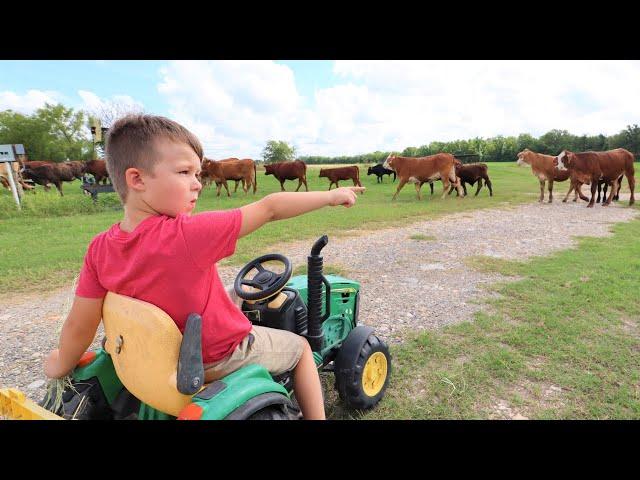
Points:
52	365
345	196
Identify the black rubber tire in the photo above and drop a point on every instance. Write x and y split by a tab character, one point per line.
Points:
349	377
272	412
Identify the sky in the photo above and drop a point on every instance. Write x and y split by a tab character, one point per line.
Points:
343	107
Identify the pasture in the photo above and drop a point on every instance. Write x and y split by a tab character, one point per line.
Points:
42	247
561	340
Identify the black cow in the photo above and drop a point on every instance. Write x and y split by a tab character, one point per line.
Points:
379	171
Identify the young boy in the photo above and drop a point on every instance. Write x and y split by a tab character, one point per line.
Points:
161	254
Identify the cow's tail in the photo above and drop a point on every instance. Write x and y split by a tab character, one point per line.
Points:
255	177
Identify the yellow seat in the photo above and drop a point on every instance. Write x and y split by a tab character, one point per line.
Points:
144	344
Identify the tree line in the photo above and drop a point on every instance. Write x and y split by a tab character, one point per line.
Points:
56	132
505	149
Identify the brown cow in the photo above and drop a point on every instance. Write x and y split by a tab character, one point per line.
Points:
596	166
542	167
288	171
97	168
76	167
4	182
471	173
230	169
341	173
419	170
46	173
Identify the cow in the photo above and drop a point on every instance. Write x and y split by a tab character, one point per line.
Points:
288	171
379	171
471	173
543	167
4	182
341	173
596	166
230	169
97	168
46	173
419	170
576	185
76	167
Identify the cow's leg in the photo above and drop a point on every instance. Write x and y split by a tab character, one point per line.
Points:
418	186
378	178
550	191
479	187
300	184
541	191
462	192
594	188
218	188
451	189
58	185
304	179
282	186
400	185
430	186
614	186
571	189
580	194
599	190
226	187
617	197
632	183
487	182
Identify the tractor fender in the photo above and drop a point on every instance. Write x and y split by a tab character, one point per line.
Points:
255	404
351	347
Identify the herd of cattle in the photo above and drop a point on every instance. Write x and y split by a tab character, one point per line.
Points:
597	169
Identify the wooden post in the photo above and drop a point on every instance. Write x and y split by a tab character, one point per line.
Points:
13	184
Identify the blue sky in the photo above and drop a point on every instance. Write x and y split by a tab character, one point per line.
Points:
341	107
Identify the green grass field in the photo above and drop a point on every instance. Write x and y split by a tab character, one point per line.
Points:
42	247
563	342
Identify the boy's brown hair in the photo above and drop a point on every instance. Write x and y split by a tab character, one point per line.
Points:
129	143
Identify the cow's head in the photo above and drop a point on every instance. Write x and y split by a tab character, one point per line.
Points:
369	172
523	158
268	170
564	160
388	163
323	173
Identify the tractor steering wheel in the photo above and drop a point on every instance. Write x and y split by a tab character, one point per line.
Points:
267	282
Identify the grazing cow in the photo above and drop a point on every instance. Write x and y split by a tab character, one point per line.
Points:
230	169
341	173
419	170
596	166
288	171
46	173
97	168
379	171
471	173
542	167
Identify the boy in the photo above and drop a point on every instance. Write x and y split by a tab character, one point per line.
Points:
161	254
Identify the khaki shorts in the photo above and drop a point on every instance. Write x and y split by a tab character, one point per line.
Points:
277	350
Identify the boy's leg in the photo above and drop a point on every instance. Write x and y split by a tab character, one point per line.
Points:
306	383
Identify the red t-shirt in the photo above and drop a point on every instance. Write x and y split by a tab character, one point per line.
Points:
170	262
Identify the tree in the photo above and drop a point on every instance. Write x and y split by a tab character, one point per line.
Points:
53	132
278	151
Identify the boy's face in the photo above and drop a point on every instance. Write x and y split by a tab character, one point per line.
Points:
172	187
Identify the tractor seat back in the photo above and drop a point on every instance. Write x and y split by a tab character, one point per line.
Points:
144	345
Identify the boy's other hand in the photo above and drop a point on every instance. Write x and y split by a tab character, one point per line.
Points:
345	196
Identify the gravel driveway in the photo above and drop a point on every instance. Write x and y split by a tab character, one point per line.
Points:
406	283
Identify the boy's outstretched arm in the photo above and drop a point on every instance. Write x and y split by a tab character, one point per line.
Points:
281	205
77	334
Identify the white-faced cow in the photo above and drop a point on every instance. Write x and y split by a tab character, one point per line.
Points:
596	166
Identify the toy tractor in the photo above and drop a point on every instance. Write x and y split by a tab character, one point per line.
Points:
147	369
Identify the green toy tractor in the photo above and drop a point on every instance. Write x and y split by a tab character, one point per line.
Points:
323	309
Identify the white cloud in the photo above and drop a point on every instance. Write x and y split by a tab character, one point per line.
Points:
29	102
93	103
235	107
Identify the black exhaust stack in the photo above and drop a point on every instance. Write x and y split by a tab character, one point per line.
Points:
315	279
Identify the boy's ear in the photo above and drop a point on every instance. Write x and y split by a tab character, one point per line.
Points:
134	179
